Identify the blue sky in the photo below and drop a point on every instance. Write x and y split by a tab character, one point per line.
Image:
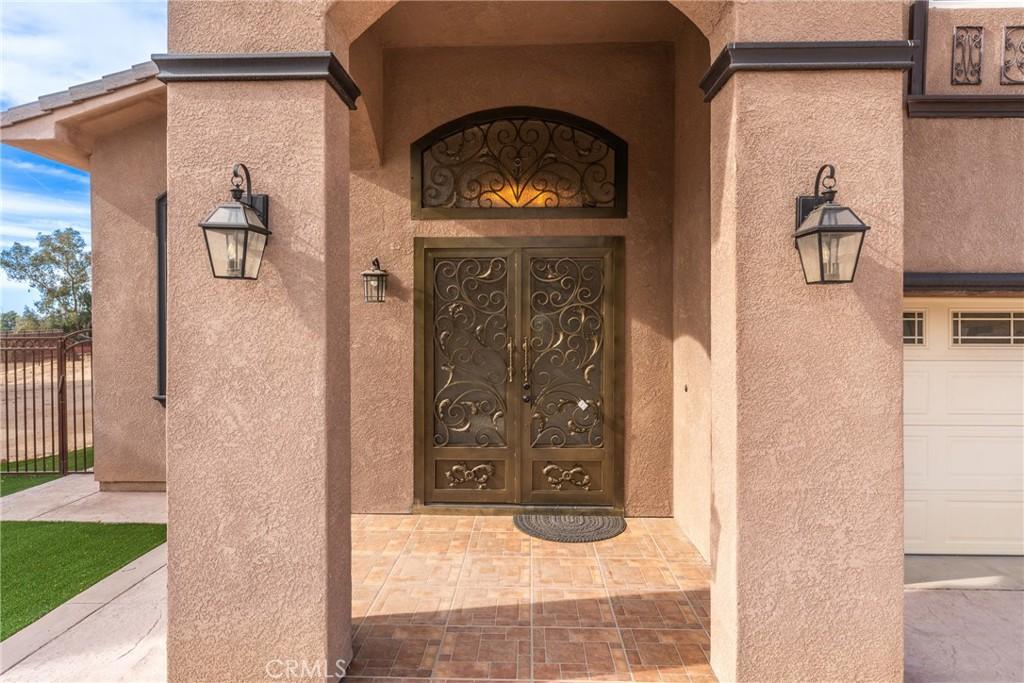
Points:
47	47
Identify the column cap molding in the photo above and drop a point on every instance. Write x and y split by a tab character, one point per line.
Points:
806	56
920	282
259	66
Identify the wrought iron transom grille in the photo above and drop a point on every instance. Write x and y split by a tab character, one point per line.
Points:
519	161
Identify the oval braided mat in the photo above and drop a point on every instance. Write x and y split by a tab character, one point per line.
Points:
570	528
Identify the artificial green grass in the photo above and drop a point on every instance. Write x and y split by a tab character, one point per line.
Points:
43	564
78	460
13	483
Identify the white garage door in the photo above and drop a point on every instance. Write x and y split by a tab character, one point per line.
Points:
963	404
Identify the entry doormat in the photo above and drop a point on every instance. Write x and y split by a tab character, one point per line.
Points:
570	528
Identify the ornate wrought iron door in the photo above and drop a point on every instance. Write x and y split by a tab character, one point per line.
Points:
517	379
566	432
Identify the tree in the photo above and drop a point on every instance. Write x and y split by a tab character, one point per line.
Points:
59	269
8	321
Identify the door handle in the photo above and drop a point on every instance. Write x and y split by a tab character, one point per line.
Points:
526	369
511	357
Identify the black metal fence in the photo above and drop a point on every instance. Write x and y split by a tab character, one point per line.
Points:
47	403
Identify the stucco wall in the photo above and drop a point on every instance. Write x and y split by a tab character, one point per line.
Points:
807	532
626	88
691	259
964	208
257	439
128	171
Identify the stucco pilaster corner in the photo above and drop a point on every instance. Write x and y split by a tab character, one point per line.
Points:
258	379
807	413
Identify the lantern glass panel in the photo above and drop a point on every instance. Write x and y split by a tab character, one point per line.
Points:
838	215
227	250
227	214
252	217
810	257
374	288
839	251
254	254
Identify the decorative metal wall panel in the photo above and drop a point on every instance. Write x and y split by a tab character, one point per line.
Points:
566	350
967	50
519	160
1012	71
471	339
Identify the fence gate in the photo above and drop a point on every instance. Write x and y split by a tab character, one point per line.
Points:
47	403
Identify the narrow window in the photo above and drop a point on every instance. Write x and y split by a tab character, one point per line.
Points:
913	327
983	327
161	298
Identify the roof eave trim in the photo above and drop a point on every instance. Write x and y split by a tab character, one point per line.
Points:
974	283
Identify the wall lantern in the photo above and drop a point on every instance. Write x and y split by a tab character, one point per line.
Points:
375	283
236	231
828	236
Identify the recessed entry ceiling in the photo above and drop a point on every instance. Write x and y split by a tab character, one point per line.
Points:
462	24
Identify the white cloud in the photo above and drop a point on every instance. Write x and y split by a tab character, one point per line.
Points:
27	204
32	169
46	47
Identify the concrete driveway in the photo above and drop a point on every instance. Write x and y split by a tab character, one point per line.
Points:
964	619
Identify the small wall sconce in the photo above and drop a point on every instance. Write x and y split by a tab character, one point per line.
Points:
236	231
375	283
828	236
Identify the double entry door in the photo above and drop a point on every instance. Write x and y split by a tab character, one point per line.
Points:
518	375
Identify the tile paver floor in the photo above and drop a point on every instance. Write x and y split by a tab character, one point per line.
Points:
469	598
472	598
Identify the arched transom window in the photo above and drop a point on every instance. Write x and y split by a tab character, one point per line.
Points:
519	161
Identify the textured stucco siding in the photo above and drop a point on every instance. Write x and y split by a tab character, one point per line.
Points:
128	171
807	531
258	387
691	260
626	88
964	195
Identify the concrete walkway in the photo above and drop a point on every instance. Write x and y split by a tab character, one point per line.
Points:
114	631
77	498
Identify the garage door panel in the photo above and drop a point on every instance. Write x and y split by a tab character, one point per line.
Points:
915	391
990	460
996	391
978	524
963	437
979	458
915	459
915	522
958	522
963	392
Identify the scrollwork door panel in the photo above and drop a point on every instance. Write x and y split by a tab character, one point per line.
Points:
569	321
518	385
471	318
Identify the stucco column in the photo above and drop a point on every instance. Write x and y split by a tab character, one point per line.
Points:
807	519
258	380
257	408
